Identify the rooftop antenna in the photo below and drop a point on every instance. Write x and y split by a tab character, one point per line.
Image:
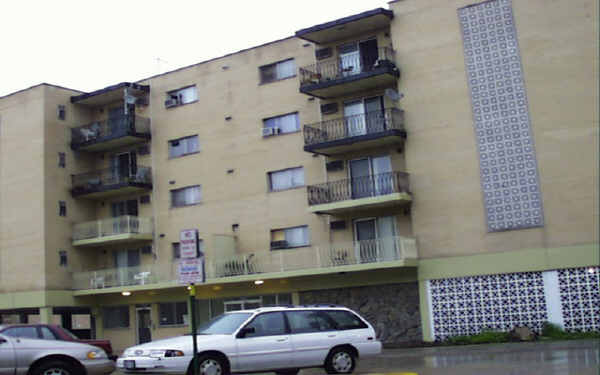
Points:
158	66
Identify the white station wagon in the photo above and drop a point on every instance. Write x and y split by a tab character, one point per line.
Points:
277	339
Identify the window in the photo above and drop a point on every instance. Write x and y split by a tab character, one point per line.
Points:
172	313
62	208
277	71
186	196
181	96
62	162
47	334
289	123
309	321
267	324
116	317
345	319
183	146
286	179
61	112
27	332
62	256
289	237
176	250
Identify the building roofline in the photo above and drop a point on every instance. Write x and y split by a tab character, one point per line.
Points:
39	84
216	58
84	96
344	20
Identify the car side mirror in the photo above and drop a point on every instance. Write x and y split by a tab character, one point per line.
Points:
3	340
244	331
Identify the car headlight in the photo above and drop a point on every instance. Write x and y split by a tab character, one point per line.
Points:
96	354
165	353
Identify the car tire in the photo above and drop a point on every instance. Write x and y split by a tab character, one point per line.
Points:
212	364
340	361
54	368
293	371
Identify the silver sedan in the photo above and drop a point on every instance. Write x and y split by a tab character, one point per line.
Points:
20	356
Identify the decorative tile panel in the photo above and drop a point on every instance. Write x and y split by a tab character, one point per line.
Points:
580	298
507	160
469	305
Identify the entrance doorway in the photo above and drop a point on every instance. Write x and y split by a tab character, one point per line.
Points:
144	324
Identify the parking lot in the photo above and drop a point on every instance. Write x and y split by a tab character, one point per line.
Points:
579	357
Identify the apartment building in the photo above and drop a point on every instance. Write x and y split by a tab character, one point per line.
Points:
431	165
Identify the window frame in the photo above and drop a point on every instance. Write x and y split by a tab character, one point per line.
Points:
275	64
307	244
124	308
298	126
173	191
169	143
286	326
319	313
174	94
270	179
172	309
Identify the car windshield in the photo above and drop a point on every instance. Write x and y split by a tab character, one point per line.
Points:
224	324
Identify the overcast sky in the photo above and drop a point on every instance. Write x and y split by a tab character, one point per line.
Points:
88	45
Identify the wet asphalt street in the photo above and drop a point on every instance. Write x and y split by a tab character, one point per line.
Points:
579	357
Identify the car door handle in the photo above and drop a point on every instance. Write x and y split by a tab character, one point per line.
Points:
331	335
282	340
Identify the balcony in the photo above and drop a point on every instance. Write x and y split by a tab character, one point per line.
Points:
110	182
350	74
370	130
382	190
109	134
379	253
347	27
122	229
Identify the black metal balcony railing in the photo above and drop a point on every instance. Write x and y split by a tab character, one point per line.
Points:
359	187
111	128
105	178
353	126
347	66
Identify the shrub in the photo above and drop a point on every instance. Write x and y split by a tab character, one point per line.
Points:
485	337
553	331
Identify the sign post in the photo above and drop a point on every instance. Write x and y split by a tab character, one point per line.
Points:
193	321
191	272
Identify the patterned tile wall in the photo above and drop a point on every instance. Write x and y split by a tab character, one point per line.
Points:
469	305
580	298
508	165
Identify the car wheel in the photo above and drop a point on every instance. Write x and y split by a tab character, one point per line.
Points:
340	361
212	365
54	368
293	371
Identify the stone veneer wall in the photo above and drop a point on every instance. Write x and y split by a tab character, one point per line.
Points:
392	309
